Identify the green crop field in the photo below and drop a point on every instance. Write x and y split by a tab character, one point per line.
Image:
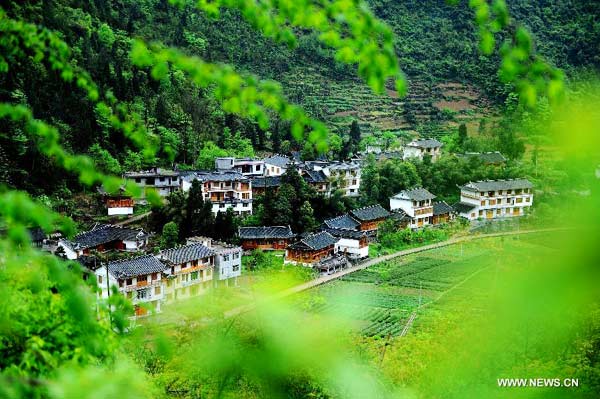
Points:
378	301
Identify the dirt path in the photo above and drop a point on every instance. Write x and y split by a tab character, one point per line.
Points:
325	279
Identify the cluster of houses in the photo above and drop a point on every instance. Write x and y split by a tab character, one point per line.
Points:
153	279
236	181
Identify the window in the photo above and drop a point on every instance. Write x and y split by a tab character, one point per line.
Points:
194	275
245	205
482	203
236	268
245	196
480	213
157	290
99	279
154	276
499	201
138	180
129	281
236	255
527	199
221	205
142	294
226	258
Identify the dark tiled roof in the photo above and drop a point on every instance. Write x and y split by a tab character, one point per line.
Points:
135	267
278	160
415	194
154	172
226	175
103	234
400	216
492	185
425	143
315	176
342	233
338	261
486	157
277	232
463	207
186	253
441	207
315	242
266	182
342	222
368	213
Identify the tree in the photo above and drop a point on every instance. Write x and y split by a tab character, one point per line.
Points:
104	160
170	235
355	136
307	220
462	135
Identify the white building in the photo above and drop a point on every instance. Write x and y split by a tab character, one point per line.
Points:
421	147
416	203
353	244
189	270
246	166
228	260
139	279
224	190
491	199
161	180
276	165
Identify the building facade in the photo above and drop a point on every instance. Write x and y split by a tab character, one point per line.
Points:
225	190
248	167
189	270
351	243
163	181
423	147
417	204
370	217
491	199
311	249
276	165
265	237
102	238
228	260
140	279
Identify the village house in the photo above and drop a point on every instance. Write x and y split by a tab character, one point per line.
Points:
163	181
370	217
494	158
246	166
228	260
264	184
416	203
311	249
352	243
423	147
104	237
139	279
343	176
344	222
224	190
189	270
442	213
276	165
265	237
317	180
118	203
491	199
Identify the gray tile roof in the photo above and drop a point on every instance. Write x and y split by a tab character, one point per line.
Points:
400	216
441	207
485	157
105	233
315	176
186	253
154	172
463	207
265	232
425	143
225	175
415	194
343	233
135	267
315	242
369	213
265	182
278	160
342	222
492	185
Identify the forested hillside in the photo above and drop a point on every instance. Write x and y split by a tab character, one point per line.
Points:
440	48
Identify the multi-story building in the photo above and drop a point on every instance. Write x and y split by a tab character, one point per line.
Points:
224	190
161	180
311	249
246	166
265	237
423	147
317	180
276	165
343	176
102	238
139	279
189	270
265	184
228	260
491	199
416	203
